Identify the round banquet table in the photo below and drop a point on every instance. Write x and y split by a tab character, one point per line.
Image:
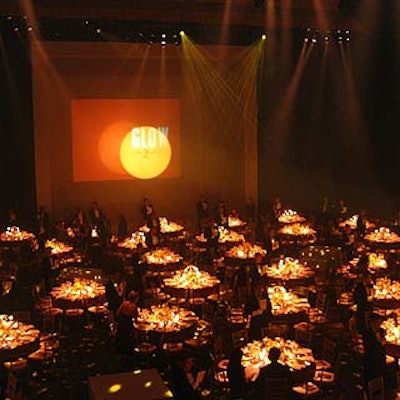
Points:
177	332
288	283
8	354
302	363
190	293
27	336
161	267
373	244
65	302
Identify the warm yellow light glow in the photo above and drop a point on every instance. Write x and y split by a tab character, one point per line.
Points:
137	371
148	384
182	33
114	388
168	393
145	152
264	36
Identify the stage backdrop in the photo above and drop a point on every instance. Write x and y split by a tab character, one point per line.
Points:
95	103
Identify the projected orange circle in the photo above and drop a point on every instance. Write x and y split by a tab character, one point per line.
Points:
110	143
145	152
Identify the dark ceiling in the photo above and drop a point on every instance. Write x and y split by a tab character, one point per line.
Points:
233	21
255	13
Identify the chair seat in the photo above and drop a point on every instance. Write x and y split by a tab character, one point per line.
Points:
73	312
43	337
197	301
176	301
318	319
98	309
145	347
17	365
390	360
322	365
173	346
308	388
223	364
324	377
53	312
40	355
337	326
221	377
196	342
304	326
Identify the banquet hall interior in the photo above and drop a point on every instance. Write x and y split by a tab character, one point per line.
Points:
199	199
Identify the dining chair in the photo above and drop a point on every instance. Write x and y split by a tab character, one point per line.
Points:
376	389
276	389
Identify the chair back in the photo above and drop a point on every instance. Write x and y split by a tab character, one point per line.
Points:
271	331
376	389
329	349
13	390
321	302
303	337
208	311
239	338
276	389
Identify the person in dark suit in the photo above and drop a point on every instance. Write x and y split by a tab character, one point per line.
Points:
125	314
362	223
203	212
148	212
274	370
186	379
236	375
113	293
374	352
360	296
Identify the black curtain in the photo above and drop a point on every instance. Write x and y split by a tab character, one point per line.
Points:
17	172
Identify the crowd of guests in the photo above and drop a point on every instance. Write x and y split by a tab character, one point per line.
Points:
91	232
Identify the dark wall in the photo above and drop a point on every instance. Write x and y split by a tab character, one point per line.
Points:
340	136
17	177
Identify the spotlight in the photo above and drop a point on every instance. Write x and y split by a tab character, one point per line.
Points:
29	29
16	29
182	33
306	40
263	36
98	31
314	40
163	35
163	42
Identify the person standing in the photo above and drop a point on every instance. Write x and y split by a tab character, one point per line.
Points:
360	296
148	212
125	314
236	375
203	212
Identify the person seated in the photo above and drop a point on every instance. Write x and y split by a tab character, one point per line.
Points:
186	379
274	370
